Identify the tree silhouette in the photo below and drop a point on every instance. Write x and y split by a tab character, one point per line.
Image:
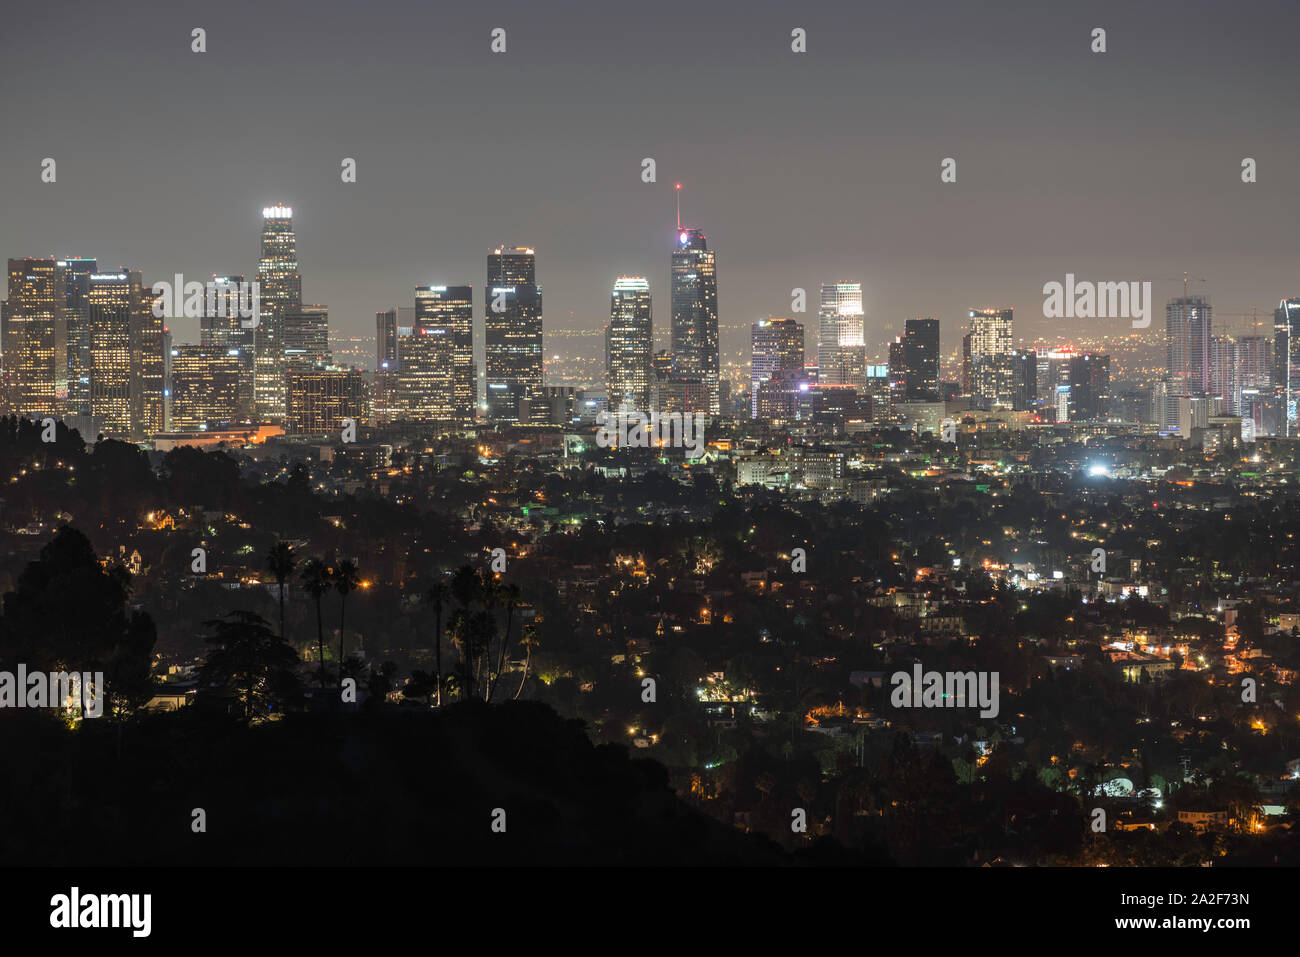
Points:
68	613
316	579
280	562
249	663
346	580
437	596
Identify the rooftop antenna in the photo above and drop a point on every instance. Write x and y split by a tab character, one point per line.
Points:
679	206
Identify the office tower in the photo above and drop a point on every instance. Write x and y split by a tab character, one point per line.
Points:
453	308
110	298
207	387
1024	379
513	326
875	389
280	290
839	330
386	340
148	342
223	329
921	357
629	340
1088	386
307	335
317	400
423	378
167	379
76	275
965	365
1187	339
990	356
435	380
220	325
776	347
34	329
1286	360
784	395
662	364
694	332
897	372
384	405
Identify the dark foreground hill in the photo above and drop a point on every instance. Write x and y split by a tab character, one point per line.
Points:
389	787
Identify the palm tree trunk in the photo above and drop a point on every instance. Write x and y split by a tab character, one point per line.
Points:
528	656
320	641
437	652
501	657
282	609
343	607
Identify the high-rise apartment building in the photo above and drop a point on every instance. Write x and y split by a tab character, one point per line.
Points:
1187	341
991	347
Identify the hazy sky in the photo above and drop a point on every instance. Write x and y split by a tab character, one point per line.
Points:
798	167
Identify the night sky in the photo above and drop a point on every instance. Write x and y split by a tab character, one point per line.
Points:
799	168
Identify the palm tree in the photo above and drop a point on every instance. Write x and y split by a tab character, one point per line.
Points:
316	579
464	589
511	595
280	562
529	641
437	595
489	594
346	580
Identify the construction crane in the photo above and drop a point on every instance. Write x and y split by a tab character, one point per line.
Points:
1185	280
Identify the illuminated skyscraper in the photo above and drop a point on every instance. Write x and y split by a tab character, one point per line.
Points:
206	387
318	400
76	276
435	379
1286	360
992	375
148	363
223	330
694	332
452	307
628	345
776	350
307	335
840	332
897	372
34	328
1255	358
112	300
1187	340
280	292
513	326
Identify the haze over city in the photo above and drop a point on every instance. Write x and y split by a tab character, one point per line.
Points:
800	169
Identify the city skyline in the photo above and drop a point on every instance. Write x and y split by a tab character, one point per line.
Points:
859	210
